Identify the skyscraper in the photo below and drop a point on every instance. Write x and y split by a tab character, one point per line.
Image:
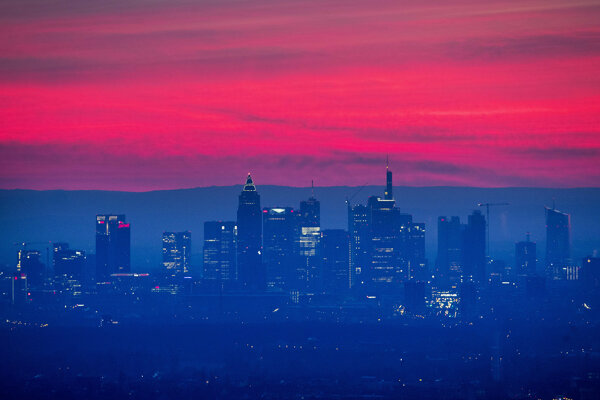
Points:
416	251
279	255
68	263
334	254
558	243
30	263
386	246
308	269
358	230
386	264
219	253
310	212
525	257
113	246
249	240
474	259
450	245
389	189
177	253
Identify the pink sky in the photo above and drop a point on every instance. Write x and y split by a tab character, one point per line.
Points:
142	95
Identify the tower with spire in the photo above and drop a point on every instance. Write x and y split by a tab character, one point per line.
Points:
249	240
388	195
310	210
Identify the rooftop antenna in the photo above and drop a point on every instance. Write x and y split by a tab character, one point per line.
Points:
312	188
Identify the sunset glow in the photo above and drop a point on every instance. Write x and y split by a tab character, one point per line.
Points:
143	95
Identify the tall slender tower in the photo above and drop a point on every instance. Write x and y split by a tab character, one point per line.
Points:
308	271
474	249
249	240
389	195
558	243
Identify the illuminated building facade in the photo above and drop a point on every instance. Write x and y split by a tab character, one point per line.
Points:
69	269
113	246
177	253
249	240
29	263
386	264
358	229
386	246
219	253
308	269
279	255
68	263
444	302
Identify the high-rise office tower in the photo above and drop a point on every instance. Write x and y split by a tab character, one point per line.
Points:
29	263
386	265
358	230
558	243
220	247
334	255
308	269
389	189
177	253
19	289
386	246
69	264
450	244
474	259
249	239
416	251
113	246
310	212
279	255
525	257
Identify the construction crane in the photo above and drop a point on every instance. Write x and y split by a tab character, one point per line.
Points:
487	217
355	193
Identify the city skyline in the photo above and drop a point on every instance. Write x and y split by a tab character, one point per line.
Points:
300	199
278	247
276	272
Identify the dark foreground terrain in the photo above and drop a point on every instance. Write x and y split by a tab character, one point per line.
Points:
271	360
